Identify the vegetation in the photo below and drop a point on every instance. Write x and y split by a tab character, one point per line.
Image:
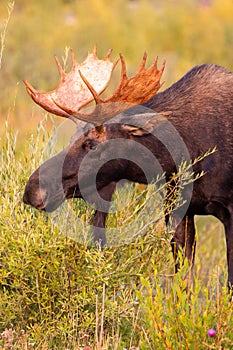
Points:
57	292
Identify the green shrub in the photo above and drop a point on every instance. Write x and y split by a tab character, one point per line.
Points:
57	293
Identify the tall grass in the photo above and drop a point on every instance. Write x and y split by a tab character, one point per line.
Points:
4	29
56	293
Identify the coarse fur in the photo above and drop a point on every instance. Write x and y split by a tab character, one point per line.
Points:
200	109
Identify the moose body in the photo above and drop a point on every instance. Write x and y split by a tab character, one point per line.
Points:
199	109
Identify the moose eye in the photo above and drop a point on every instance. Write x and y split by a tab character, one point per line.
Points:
89	145
93	147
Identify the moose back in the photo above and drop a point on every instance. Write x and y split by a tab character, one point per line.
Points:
181	123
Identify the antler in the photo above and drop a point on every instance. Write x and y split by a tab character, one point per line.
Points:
85	83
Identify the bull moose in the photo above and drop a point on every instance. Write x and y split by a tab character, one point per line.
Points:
124	142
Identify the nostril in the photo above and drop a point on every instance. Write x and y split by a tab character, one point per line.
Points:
35	197
41	196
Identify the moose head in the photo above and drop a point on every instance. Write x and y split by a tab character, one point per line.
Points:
71	173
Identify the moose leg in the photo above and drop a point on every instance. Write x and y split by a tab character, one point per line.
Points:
225	215
229	243
99	218
184	240
98	222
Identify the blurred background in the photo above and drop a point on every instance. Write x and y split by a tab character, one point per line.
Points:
185	33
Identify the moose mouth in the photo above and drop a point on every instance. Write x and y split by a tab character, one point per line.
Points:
51	206
41	200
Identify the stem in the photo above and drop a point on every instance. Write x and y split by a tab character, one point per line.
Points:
102	317
3	33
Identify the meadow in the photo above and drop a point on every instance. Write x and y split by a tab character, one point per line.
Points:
56	290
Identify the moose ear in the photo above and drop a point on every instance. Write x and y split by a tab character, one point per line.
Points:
146	127
134	130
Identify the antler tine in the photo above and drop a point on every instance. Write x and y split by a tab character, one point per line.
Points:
30	89
154	67
74	61
143	63
91	88
123	67
155	62
107	57
163	67
160	71
60	69
94	52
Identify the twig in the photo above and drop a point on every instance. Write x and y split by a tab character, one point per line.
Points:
102	317
3	33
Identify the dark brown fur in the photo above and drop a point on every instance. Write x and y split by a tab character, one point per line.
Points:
200	107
